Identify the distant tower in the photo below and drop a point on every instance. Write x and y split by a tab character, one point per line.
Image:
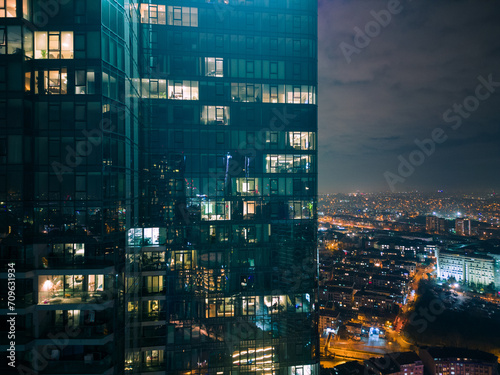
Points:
434	224
463	227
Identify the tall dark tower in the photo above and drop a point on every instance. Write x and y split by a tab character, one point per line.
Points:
69	120
158	185
230	184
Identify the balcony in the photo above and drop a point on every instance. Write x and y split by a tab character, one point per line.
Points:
59	298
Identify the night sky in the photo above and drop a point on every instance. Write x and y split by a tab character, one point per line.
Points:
399	87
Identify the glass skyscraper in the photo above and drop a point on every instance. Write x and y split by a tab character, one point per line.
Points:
158	185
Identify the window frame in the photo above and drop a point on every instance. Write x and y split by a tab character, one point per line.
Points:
45	50
4	6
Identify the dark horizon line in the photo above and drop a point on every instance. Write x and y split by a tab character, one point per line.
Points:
415	191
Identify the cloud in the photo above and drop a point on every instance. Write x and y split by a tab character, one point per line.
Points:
397	89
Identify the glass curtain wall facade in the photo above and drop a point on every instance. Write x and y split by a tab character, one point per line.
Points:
230	184
158	182
69	115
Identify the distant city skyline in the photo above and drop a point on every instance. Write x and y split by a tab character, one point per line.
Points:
404	77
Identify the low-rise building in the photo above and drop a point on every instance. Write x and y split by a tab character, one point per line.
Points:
329	320
343	296
458	361
406	363
349	368
434	224
463	227
371	299
466	267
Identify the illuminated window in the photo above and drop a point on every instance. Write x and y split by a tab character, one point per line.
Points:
153	260
302	370
275	304
248	209
53	45
7	8
153	357
278	93
215	115
219	307
248	305
182	16
133	307
214	67
301	140
288	164
55	82
26	10
95	283
57	289
27	82
154	88
153	307
181	260
153	14
215	210
247	186
154	284
183	90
